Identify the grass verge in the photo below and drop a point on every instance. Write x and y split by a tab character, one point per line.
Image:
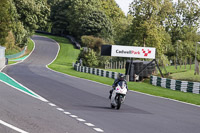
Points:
13	50
181	73
187	76
68	54
30	46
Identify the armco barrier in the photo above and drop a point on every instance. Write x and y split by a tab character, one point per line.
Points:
184	86
95	71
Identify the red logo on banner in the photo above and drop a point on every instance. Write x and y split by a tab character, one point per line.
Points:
135	52
146	52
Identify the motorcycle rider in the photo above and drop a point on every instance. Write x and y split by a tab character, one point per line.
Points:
121	77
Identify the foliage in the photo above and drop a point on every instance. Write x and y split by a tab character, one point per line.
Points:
32	13
10	41
118	19
147	28
20	18
80	17
95	44
184	18
88	57
4	21
60	17
92	42
95	23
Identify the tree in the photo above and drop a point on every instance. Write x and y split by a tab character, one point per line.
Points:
32	13
147	26
60	17
119	21
95	23
80	17
5	19
43	15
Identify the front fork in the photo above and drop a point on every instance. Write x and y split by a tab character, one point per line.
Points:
122	97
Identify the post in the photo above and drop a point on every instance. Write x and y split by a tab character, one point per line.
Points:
111	63
196	63
124	64
158	68
129	70
177	52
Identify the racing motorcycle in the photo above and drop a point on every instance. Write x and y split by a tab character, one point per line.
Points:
118	95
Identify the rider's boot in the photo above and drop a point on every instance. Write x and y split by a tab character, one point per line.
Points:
110	94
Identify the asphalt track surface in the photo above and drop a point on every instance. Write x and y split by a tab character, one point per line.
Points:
88	100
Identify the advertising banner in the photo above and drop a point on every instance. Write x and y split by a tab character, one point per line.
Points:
134	52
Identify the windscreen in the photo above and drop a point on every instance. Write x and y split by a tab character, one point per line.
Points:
122	84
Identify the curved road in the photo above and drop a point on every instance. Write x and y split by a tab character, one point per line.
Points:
89	100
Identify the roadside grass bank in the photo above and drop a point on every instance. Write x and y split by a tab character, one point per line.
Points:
30	46
13	50
186	76
67	55
181	73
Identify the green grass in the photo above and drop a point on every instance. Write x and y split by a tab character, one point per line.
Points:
181	73
11	62
68	54
172	69
30	46
187	76
13	50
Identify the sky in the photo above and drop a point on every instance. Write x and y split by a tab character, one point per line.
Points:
124	5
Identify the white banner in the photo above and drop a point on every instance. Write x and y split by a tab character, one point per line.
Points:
135	52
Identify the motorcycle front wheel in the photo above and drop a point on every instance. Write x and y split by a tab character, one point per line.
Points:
119	102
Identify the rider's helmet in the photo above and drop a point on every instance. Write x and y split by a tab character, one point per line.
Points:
121	77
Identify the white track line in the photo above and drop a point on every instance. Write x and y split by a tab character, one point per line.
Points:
12	127
73	116
60	109
79	119
38	96
51	104
67	113
98	130
42	99
90	124
111	86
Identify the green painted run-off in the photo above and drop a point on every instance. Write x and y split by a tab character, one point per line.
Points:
8	80
19	59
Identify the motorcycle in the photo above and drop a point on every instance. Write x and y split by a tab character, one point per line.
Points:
118	95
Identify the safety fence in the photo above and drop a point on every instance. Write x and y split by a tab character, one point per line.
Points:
95	71
184	86
16	55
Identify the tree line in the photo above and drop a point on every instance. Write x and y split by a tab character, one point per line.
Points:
171	27
19	19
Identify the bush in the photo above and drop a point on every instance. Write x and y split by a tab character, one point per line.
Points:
92	42
89	57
